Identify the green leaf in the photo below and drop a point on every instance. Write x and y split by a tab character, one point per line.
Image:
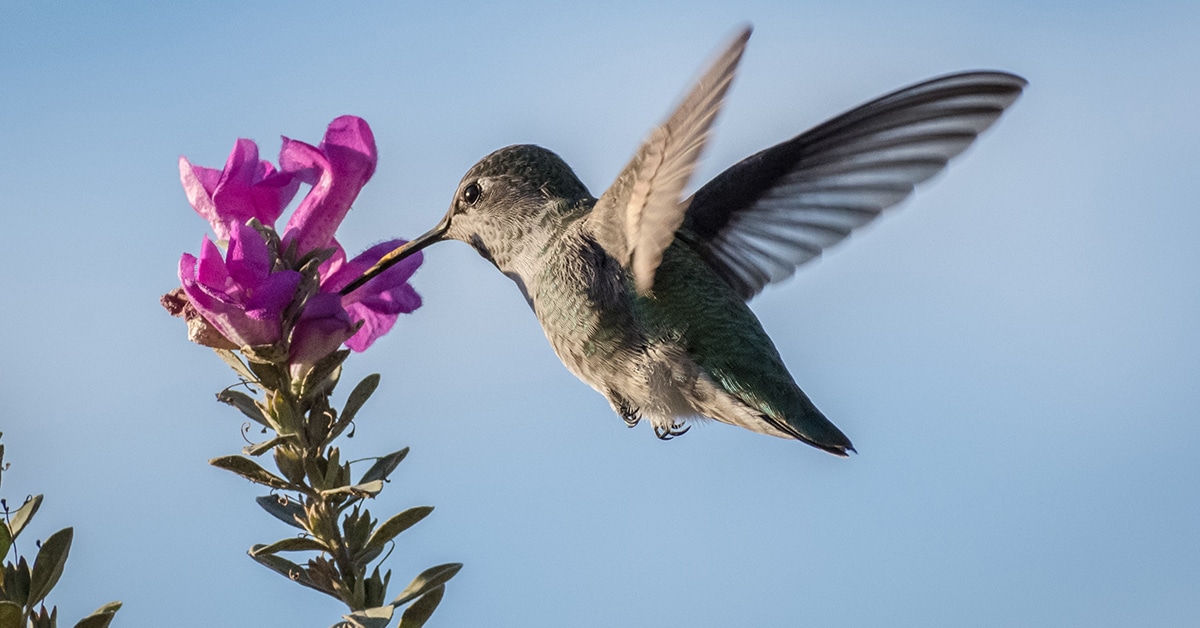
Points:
290	462
11	615
284	509
286	568
323	376
231	358
111	607
96	621
427	581
354	403
48	566
359	396
245	403
5	545
367	489
291	544
16	581
250	470
312	260
377	617
309	284
101	617
384	466
41	618
263	447
282	415
396	525
356	528
418	613
268	375
24	515
335	475
376	587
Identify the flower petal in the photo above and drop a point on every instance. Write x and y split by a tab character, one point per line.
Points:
232	194
335	262
350	145
246	188
270	298
249	259
239	296
378	302
218	312
337	170
380	313
198	183
211	270
322	327
271	193
340	276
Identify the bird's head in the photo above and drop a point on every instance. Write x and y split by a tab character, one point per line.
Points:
512	193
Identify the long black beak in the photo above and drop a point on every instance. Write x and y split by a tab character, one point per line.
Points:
399	253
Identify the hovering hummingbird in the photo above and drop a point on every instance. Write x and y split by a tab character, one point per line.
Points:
642	293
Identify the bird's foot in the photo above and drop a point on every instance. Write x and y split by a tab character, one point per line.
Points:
632	416
671	431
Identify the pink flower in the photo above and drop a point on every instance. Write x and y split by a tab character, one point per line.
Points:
379	302
357	319
247	188
337	170
323	326
239	295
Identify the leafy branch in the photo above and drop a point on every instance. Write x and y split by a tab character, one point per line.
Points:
23	589
314	491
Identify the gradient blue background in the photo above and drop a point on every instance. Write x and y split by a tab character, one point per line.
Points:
1015	351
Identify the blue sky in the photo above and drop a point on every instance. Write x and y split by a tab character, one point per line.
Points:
1014	351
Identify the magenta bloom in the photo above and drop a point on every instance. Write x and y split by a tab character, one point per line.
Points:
247	188
379	302
337	170
323	326
241	298
239	295
328	319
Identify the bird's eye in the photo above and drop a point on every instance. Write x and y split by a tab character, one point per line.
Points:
471	193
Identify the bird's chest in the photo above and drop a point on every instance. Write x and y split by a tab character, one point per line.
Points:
616	342
581	297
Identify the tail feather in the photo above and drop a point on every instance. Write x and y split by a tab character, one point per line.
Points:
826	436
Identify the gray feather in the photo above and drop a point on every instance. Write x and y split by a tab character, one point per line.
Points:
635	220
757	221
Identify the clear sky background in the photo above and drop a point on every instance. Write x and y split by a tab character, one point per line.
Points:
1014	351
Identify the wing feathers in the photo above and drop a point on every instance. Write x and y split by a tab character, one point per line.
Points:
760	219
635	220
781	207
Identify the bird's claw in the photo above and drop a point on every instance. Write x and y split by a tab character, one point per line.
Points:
671	431
631	416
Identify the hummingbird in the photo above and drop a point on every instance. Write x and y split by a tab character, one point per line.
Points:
643	293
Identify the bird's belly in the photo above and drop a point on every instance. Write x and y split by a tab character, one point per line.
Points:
588	311
595	333
656	381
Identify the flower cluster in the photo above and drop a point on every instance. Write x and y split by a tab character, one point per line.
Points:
256	295
275	298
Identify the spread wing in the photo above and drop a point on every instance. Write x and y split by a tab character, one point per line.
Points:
636	218
769	213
